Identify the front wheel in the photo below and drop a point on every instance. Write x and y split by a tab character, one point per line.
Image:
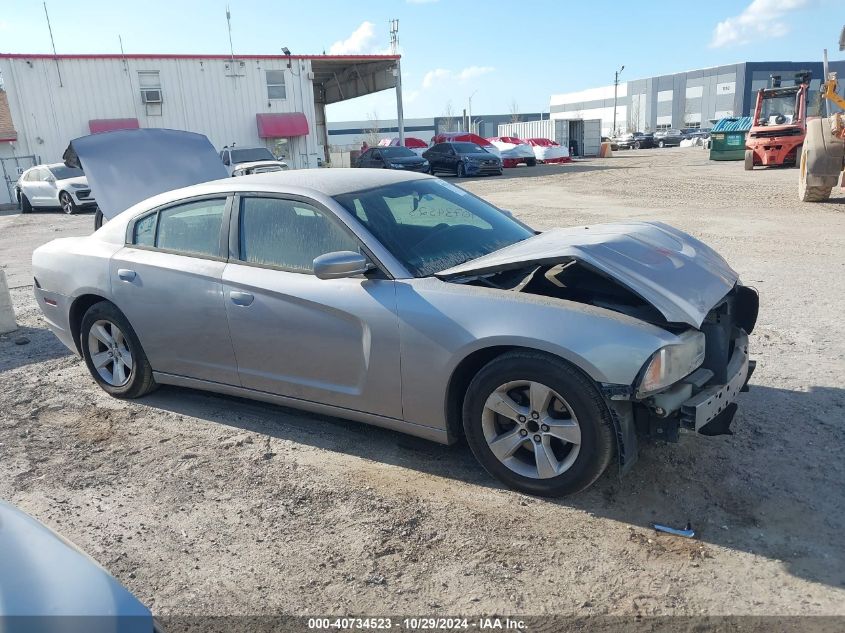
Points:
26	205
749	160
67	203
461	170
113	353
537	424
98	219
661	144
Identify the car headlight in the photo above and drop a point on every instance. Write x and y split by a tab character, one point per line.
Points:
397	165
671	363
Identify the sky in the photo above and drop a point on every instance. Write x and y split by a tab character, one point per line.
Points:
502	54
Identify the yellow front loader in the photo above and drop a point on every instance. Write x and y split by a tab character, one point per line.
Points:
823	154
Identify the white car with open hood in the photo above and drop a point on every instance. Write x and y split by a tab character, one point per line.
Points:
400	300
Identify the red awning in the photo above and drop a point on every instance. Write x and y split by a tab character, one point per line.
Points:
109	125
282	125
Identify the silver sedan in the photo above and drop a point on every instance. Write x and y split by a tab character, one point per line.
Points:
403	301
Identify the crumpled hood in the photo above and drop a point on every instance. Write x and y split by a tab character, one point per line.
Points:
680	276
125	167
44	575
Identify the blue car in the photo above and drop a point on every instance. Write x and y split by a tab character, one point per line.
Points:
462	159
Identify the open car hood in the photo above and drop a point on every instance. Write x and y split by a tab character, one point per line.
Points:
680	276
125	167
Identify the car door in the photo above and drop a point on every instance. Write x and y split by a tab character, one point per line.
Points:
167	280
332	341
40	188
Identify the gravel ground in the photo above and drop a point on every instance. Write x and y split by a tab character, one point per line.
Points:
203	504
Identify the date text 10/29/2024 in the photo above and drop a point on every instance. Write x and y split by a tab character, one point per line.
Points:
416	624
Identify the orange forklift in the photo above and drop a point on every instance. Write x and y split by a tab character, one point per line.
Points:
779	123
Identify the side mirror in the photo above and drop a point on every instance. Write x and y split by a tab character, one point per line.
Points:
507	212
50	179
340	264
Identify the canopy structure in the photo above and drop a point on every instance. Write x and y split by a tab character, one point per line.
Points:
342	77
95	126
411	142
281	125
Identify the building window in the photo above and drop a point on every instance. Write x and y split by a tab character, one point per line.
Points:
276	84
660	127
694	125
150	84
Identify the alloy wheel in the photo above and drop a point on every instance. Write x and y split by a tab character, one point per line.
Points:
110	353
531	429
67	203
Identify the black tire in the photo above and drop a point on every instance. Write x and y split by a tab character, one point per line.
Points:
597	435
501	171
637	145
431	170
531	162
460	171
141	380
749	160
67	203
98	219
661	144
26	206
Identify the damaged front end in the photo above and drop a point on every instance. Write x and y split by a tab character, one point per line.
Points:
661	276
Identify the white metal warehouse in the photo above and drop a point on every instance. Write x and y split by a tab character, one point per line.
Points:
277	101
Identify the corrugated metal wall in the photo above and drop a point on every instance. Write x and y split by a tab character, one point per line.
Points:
200	95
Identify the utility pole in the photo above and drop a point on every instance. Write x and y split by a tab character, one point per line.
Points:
615	90
394	48
470	112
55	56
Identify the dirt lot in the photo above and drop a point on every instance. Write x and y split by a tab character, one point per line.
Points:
214	505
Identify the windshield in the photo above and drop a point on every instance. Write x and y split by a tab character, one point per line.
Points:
249	155
396	152
783	106
430	225
61	172
468	148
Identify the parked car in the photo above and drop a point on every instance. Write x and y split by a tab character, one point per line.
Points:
668	138
393	157
462	159
54	185
513	151
548	151
613	145
416	145
465	137
48	584
250	160
694	132
401	300
635	140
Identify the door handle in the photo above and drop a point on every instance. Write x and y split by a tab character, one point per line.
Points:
125	274
241	298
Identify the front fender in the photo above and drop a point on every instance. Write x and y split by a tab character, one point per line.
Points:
443	323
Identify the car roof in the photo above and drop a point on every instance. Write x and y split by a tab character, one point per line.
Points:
325	181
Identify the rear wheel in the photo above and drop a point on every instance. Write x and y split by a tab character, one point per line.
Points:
538	425
749	160
67	203
113	353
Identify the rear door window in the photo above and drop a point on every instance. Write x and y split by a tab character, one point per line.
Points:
192	228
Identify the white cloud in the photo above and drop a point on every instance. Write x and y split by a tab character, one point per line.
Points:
361	42
441	75
760	19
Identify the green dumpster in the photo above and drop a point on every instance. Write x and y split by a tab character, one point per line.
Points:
727	138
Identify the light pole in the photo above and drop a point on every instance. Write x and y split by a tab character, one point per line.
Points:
615	90
397	72
470	111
